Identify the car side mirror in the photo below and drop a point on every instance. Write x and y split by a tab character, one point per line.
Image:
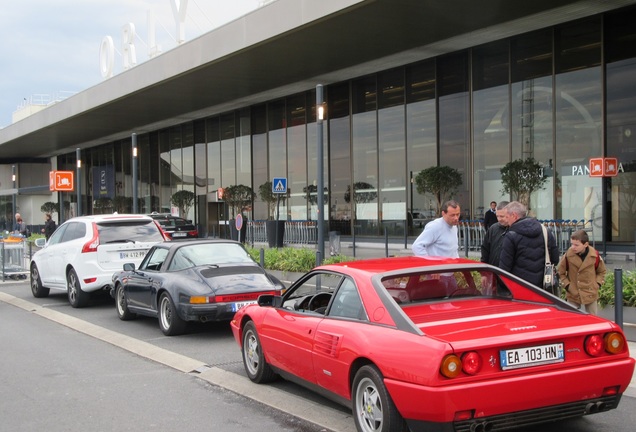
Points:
40	242
129	267
270	300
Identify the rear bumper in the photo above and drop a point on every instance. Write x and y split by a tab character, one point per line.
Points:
207	312
521	419
515	401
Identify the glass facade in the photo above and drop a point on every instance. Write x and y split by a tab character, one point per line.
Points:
560	95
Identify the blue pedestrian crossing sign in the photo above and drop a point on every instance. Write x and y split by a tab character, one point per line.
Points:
279	185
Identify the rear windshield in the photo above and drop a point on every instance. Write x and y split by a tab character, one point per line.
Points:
137	231
418	287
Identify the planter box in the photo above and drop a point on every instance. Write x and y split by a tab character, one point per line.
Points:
629	313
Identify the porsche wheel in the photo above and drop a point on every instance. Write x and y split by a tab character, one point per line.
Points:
256	367
170	322
122	304
37	289
373	409
76	297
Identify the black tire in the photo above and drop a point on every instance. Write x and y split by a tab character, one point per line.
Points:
256	367
37	289
373	408
76	297
121	304
170	322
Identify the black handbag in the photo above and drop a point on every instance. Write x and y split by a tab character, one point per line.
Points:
550	276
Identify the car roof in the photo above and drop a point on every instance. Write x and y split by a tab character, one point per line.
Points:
393	264
112	218
175	244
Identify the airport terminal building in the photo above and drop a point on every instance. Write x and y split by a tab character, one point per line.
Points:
408	84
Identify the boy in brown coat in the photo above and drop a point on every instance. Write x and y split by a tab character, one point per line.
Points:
582	272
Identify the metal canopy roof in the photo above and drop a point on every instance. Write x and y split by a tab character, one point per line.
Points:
285	47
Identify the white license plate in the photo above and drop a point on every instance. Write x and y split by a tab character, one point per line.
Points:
132	254
238	305
179	234
531	356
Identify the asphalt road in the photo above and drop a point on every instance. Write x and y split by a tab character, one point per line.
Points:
207	355
54	378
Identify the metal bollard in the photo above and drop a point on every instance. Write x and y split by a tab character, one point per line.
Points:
618	297
262	257
318	258
466	240
386	243
354	240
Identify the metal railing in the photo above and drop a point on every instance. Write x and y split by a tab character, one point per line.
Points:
296	232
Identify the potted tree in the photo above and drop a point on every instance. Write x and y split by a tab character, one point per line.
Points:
440	181
274	228
237	198
183	200
520	178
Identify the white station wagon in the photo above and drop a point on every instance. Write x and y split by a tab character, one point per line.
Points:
84	252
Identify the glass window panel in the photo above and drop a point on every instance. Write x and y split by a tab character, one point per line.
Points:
243	150
364	137
578	136
620	35
491	135
421	134
578	45
297	163
277	139
490	65
532	132
259	153
621	142
228	150
339	158
392	152
213	154
454	121
200	158
165	171
531	55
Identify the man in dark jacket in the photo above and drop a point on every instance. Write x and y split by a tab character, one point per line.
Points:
523	248
491	246
490	217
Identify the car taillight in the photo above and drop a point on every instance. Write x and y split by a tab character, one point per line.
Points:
91	245
614	343
165	235
471	363
594	345
193	233
451	366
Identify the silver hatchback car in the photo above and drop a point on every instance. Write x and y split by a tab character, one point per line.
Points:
84	252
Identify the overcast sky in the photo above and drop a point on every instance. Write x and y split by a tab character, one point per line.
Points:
51	48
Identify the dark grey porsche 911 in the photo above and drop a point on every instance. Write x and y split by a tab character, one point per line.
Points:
197	280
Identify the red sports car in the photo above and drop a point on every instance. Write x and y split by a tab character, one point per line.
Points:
435	345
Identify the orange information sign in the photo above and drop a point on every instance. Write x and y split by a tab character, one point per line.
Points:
596	167
610	169
61	181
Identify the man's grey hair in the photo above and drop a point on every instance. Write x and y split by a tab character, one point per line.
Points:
502	205
515	207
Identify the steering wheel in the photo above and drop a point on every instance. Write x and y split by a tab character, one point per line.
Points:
318	299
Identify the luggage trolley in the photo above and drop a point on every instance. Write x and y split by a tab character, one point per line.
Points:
14	258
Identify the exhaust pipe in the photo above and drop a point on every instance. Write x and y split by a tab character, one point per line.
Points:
591	408
481	427
600	406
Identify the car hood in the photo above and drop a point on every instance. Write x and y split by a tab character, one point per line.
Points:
496	322
235	278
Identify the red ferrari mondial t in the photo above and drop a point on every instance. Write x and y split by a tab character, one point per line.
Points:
437	344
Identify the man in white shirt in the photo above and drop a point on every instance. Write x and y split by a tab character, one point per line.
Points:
439	237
